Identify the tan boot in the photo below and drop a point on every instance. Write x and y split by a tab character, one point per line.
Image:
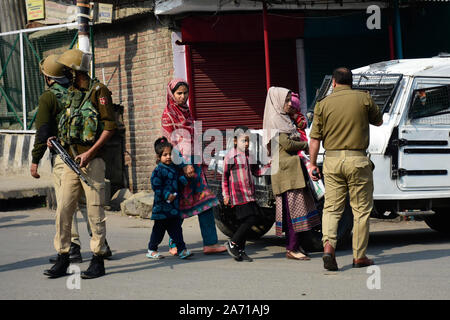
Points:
329	257
363	262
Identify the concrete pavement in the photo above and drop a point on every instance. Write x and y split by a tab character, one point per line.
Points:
412	263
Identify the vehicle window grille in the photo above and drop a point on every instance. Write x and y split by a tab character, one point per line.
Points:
382	88
430	105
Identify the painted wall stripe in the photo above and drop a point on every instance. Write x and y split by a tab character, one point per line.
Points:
12	151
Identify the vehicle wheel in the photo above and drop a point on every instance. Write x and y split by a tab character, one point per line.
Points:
440	221
312	240
227	222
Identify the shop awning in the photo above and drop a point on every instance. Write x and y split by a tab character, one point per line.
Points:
174	7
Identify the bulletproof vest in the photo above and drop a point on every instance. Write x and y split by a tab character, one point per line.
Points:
80	121
61	96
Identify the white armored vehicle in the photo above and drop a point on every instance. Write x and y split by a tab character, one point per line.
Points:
411	149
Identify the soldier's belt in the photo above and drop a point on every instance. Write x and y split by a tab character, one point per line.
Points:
338	153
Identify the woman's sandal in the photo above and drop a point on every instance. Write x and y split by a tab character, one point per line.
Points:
304	252
185	253
154	255
172	248
292	255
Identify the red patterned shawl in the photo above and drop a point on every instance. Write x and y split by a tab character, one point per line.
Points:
177	123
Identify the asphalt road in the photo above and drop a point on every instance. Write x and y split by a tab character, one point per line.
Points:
412	263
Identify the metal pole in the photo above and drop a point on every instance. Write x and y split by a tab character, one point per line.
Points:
398	31
91	36
266	44
391	43
22	74
83	25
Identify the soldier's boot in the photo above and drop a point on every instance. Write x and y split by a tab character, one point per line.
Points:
59	269
96	268
329	258
108	252
74	254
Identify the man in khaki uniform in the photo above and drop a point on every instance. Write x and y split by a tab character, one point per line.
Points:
341	122
86	124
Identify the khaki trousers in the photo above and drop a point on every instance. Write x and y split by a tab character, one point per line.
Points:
348	172
71	188
58	169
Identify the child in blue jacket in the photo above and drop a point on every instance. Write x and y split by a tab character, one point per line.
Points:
165	213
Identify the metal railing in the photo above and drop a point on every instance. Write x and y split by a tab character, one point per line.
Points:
21	83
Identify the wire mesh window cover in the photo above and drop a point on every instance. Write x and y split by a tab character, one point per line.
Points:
430	106
21	82
382	87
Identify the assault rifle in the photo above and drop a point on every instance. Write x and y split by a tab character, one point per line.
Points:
68	160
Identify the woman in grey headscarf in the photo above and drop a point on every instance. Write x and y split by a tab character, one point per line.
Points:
295	208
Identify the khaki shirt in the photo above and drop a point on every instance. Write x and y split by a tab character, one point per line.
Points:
342	119
102	100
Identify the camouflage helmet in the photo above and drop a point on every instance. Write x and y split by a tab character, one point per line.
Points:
75	59
51	68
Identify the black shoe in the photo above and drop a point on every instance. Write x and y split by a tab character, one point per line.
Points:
108	252
244	256
75	253
232	249
59	269
329	257
96	268
329	262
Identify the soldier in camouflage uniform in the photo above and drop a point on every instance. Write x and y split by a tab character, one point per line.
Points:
87	122
47	117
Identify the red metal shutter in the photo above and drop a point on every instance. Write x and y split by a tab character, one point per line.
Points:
228	81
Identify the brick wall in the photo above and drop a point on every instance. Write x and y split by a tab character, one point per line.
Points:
138	55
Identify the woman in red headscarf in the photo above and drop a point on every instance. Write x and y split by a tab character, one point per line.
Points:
195	198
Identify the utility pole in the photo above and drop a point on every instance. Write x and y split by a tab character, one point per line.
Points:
83	25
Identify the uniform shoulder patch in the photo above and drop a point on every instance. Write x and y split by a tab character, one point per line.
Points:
103	100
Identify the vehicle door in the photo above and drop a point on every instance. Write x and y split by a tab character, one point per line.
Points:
424	137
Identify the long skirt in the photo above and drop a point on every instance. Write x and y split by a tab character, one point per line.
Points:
196	197
301	211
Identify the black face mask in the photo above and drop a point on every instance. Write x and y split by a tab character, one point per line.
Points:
68	74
